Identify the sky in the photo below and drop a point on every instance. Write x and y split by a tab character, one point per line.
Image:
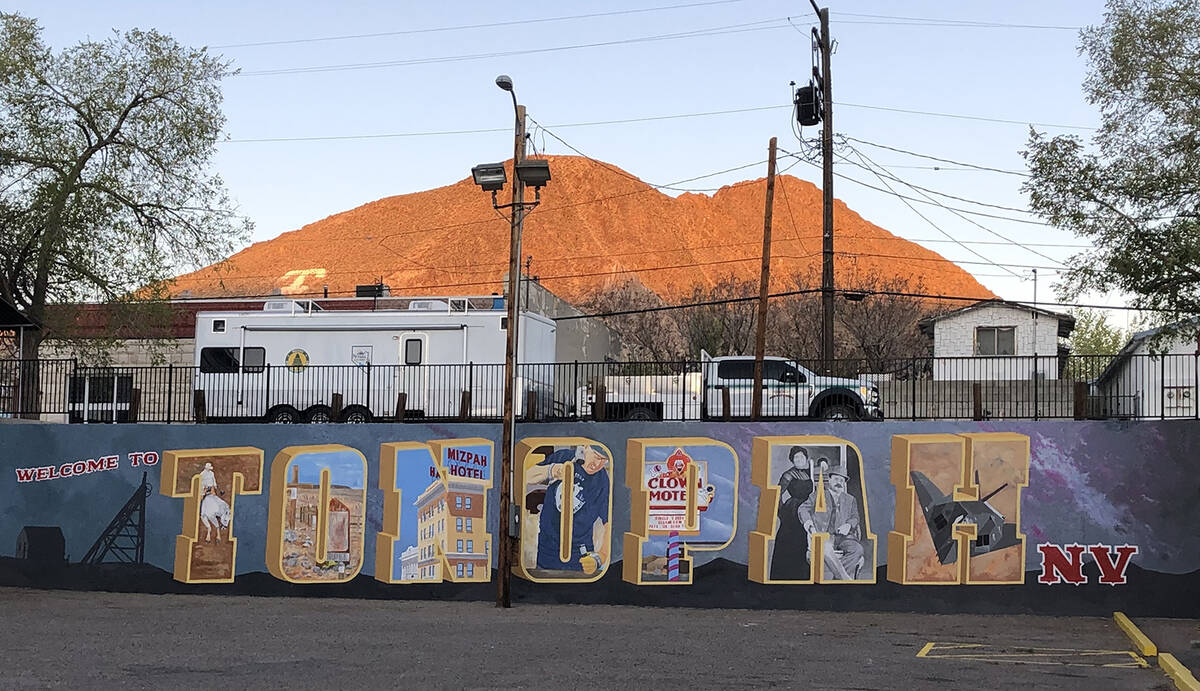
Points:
1015	61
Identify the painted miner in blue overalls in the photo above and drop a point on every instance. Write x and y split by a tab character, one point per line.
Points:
589	504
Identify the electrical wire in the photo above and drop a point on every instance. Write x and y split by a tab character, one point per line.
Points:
939	228
463	27
865	293
770	24
1020	173
958	116
493	130
869	162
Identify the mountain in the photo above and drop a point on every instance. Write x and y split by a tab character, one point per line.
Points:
597	225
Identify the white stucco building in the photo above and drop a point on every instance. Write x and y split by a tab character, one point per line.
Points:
997	340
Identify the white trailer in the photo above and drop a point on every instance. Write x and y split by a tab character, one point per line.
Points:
283	363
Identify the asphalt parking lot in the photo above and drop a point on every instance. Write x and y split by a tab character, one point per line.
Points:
106	640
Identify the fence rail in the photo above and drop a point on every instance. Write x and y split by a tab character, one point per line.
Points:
1093	387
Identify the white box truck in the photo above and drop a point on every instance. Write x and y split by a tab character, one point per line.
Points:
283	363
789	391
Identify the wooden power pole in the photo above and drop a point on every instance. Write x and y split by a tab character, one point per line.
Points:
764	285
827	291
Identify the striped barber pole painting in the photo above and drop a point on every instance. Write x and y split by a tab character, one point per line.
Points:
673	543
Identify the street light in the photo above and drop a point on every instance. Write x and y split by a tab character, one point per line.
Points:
491	178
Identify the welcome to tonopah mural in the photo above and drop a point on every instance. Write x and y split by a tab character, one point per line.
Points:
1067	516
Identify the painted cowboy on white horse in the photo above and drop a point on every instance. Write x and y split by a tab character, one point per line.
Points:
214	511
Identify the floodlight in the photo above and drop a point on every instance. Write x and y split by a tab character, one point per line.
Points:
534	172
489	176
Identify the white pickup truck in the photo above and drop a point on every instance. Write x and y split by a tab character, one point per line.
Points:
789	391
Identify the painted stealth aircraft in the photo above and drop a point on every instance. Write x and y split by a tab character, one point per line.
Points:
942	513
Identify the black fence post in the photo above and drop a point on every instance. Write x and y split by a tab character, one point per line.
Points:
170	389
1081	400
199	406
976	401
914	389
598	408
401	405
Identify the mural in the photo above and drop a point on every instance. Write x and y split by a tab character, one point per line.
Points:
565	534
439	531
949	529
604	512
209	480
316	528
684	500
816	506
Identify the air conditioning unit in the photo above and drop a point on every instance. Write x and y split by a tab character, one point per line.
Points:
373	290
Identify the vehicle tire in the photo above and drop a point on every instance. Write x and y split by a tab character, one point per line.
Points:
839	411
356	415
283	415
318	414
641	413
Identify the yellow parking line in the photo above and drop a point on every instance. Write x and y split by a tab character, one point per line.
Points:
1144	645
926	649
1182	676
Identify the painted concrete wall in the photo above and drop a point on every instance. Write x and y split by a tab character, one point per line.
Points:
954	336
729	512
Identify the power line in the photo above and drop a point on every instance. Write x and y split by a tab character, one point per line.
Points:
935	158
493	130
939	228
462	27
866	159
958	116
698	33
934	21
855	292
937	204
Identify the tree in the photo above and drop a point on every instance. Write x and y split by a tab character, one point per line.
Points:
647	336
105	188
881	330
726	328
1135	192
1094	341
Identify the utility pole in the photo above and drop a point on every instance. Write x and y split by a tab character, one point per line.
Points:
827	291
505	546
764	283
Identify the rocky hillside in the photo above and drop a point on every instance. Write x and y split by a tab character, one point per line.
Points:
596	226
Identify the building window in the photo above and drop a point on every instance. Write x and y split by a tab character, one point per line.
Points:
469	527
459	570
467	502
459	547
458	524
412	351
995	340
471	546
458	502
470	570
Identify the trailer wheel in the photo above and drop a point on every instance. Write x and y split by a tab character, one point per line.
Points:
641	413
283	415
356	415
839	411
318	414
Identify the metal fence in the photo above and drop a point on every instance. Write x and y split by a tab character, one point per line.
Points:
1092	387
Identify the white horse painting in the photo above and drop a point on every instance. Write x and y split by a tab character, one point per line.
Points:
214	513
